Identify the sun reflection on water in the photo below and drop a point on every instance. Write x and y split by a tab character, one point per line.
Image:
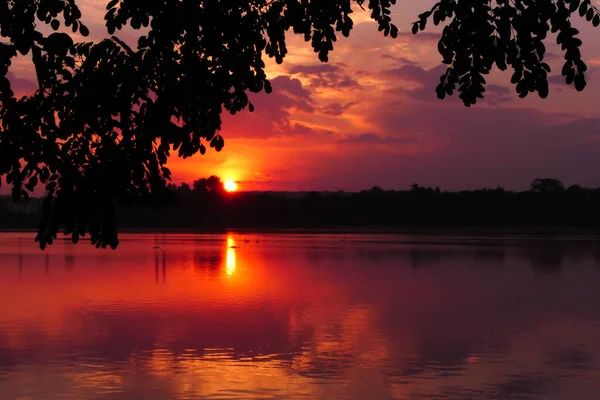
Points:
230	263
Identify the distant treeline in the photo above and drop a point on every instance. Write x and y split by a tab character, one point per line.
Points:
206	205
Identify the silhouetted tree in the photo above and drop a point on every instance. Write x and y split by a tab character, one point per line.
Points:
211	184
185	188
547	185
106	116
575	189
423	208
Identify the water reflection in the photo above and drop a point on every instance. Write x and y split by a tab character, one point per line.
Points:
300	317
230	256
163	257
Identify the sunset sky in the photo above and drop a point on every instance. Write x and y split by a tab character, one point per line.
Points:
370	117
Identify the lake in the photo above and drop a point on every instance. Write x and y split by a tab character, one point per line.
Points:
246	316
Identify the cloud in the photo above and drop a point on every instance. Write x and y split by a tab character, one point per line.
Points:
426	80
275	113
497	89
399	59
412	73
552	56
337	109
421	37
326	76
314	69
21	86
279	114
373	138
557	80
291	86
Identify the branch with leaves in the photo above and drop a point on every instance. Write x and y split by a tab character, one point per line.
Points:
506	33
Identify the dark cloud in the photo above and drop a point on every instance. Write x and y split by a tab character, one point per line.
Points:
429	79
336	109
410	72
291	86
497	89
550	56
314	69
557	80
373	138
421	37
326	75
298	129
560	80
399	59
413	73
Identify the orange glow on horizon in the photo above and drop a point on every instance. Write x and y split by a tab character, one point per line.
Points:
230	186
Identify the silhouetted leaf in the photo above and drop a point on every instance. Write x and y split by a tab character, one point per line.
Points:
58	43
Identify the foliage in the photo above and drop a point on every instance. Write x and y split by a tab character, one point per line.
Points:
506	33
106	117
547	185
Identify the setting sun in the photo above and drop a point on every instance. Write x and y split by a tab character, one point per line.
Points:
230	186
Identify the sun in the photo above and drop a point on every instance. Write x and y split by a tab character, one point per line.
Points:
230	186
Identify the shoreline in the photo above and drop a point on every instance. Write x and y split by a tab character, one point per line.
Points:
547	231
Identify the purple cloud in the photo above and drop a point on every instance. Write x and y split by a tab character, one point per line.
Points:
421	37
313	69
373	138
399	59
336	109
326	75
21	86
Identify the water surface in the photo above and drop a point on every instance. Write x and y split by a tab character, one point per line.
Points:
301	317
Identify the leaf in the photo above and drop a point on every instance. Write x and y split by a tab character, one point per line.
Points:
583	8
58	43
589	15
574	5
55	24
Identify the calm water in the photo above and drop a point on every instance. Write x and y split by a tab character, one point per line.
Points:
301	317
